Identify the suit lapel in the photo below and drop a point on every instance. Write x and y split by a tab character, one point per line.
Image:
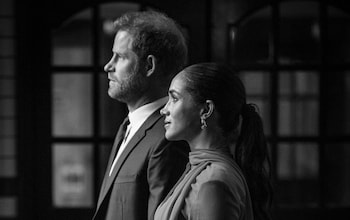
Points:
106	176
139	135
117	139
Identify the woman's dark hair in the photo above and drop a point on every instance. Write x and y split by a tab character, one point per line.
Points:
219	83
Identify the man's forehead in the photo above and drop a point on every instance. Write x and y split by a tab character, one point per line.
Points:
122	40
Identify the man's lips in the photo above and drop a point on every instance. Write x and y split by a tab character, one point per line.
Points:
112	82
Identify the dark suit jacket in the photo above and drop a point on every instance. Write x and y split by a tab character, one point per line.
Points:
145	172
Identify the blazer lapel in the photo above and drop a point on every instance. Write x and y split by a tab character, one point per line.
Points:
139	135
106	176
110	161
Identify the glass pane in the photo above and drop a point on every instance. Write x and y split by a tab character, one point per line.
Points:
250	41
301	83
72	173
338	36
109	12
257	86
299	38
297	171
256	83
6	27
7	67
7	107
7	147
7	167
298	117
7	127
104	151
7	87
6	7
72	105
6	47
8	207
337	167
298	103
72	43
297	161
112	112
338	104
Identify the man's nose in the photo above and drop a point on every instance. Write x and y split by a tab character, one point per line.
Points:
109	67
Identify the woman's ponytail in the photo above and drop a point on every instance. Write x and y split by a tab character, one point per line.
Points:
252	156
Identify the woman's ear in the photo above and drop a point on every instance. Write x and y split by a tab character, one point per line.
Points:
208	109
150	65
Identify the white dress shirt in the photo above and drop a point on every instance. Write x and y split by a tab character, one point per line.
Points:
137	118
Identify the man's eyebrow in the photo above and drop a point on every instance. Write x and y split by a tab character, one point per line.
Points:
171	92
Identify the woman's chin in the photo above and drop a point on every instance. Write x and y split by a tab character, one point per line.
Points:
170	137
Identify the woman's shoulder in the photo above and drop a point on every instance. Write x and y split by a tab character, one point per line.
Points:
216	171
221	175
220	192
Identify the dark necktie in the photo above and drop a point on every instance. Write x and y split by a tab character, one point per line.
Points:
120	137
118	141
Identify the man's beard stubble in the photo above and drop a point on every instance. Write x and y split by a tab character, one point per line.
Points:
132	89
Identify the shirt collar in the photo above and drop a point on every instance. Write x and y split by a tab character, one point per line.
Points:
140	115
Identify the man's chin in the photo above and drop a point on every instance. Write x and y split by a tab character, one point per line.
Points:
117	96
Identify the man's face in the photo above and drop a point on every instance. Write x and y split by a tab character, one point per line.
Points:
127	80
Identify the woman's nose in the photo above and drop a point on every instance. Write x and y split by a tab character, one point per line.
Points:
164	112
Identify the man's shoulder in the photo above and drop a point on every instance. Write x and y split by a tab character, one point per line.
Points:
157	125
156	134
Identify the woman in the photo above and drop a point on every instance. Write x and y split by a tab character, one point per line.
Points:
207	108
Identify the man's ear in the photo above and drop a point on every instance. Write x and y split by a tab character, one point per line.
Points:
208	109
150	65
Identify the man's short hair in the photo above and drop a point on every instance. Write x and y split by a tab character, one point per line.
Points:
154	33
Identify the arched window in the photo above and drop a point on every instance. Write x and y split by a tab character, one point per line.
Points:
84	118
294	57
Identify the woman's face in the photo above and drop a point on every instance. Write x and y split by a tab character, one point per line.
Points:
182	114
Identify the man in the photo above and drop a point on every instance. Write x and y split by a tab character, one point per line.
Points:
148	51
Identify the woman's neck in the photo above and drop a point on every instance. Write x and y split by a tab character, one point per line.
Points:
207	139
